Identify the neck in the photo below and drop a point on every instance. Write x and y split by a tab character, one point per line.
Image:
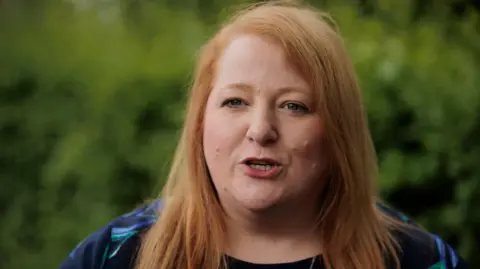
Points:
283	233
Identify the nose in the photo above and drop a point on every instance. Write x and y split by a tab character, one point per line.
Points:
262	129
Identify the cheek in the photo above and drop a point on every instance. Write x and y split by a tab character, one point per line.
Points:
219	146
218	138
309	148
310	163
212	139
211	146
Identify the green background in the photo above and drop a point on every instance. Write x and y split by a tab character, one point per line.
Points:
92	97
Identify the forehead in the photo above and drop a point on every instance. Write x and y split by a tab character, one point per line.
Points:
256	61
250	47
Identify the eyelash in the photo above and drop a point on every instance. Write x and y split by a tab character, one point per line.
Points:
229	101
300	108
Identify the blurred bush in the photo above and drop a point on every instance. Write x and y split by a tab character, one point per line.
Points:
91	101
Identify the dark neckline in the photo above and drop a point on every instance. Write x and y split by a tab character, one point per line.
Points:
299	264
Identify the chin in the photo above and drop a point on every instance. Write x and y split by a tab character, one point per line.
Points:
253	195
259	204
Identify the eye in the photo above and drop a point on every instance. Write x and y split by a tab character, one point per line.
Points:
296	107
233	102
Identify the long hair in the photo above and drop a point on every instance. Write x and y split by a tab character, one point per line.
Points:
355	234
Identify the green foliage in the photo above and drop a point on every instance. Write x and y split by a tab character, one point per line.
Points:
423	104
91	102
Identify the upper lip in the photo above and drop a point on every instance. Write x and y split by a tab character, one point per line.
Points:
266	160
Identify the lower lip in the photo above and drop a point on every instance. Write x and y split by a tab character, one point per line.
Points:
262	174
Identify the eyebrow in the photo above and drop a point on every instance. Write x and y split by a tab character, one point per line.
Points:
247	88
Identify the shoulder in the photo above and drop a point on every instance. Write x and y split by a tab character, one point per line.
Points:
114	243
420	249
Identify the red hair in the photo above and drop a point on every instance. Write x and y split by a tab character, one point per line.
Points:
355	234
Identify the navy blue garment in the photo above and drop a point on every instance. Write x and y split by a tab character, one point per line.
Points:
115	247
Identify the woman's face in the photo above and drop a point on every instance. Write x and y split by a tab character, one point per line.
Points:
262	134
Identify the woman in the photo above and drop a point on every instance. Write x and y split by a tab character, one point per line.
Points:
275	166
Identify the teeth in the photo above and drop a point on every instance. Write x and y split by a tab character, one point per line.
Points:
261	166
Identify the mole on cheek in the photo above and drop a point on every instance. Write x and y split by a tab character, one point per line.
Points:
305	144
302	146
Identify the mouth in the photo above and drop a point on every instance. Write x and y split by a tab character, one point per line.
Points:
260	162
262	167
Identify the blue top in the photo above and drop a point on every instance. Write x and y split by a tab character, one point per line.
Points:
115	245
